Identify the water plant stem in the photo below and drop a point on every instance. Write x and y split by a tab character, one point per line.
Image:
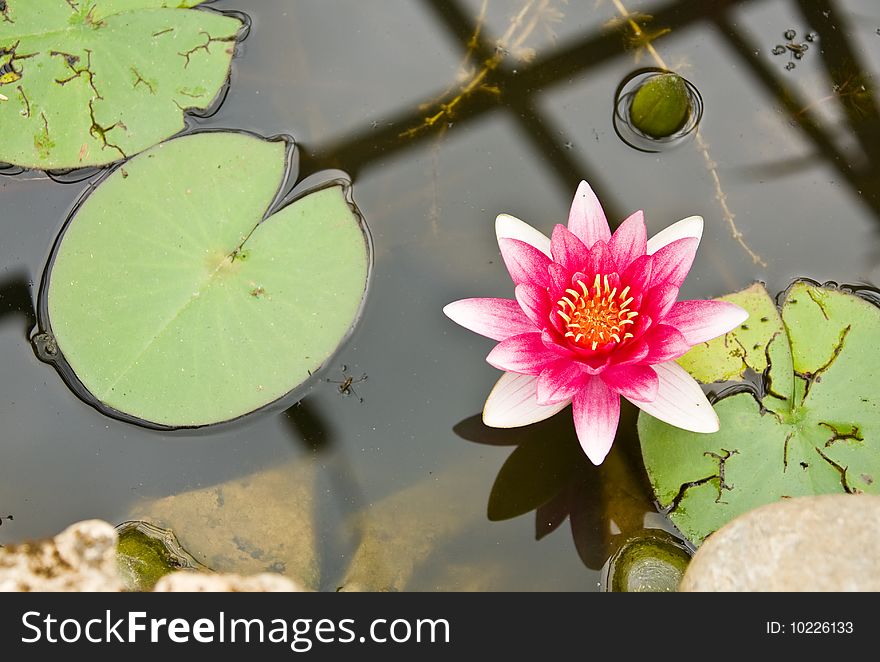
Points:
702	145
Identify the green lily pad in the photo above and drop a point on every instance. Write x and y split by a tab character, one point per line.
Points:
809	423
183	292
661	106
89	82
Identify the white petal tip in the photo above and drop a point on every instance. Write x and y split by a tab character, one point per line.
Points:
690	227
739	316
510	227
596	458
709	425
494	420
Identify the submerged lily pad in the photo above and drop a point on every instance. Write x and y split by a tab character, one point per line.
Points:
809	423
652	561
183	292
90	82
146	553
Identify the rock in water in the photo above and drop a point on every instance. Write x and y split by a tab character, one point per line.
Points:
813	543
80	558
186	581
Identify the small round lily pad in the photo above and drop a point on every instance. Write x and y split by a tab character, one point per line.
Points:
661	106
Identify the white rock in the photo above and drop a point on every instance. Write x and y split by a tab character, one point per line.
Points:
816	543
80	558
187	581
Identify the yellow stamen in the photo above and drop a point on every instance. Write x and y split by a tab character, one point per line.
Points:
595	316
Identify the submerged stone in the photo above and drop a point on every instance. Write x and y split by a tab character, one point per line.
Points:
661	106
146	553
811	543
653	561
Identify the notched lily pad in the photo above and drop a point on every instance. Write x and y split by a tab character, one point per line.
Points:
809	424
187	289
89	82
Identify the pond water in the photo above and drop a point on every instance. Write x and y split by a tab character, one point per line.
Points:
399	485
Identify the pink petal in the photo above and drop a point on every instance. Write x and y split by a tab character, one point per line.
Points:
586	218
680	400
534	303
497	319
665	343
560	279
638	275
659	300
510	227
599	260
673	261
560	381
692	226
512	403
525	263
596	411
567	250
700	321
638	382
629	241
524	353
634	351
559	348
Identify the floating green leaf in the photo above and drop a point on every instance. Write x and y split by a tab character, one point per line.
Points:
89	82
661	106
808	424
174	303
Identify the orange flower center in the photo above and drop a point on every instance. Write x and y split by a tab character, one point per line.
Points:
598	315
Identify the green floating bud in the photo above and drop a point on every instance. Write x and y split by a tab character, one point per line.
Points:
145	553
652	561
661	106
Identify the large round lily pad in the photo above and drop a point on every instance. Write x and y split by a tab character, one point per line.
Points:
181	293
802	417
89	82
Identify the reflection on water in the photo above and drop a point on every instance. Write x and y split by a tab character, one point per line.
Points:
497	107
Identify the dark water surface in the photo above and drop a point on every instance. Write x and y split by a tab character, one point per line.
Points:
393	492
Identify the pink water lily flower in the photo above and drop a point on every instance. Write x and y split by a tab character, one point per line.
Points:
596	317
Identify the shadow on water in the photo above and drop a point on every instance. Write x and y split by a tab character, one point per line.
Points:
521	87
548	473
309	426
15	298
